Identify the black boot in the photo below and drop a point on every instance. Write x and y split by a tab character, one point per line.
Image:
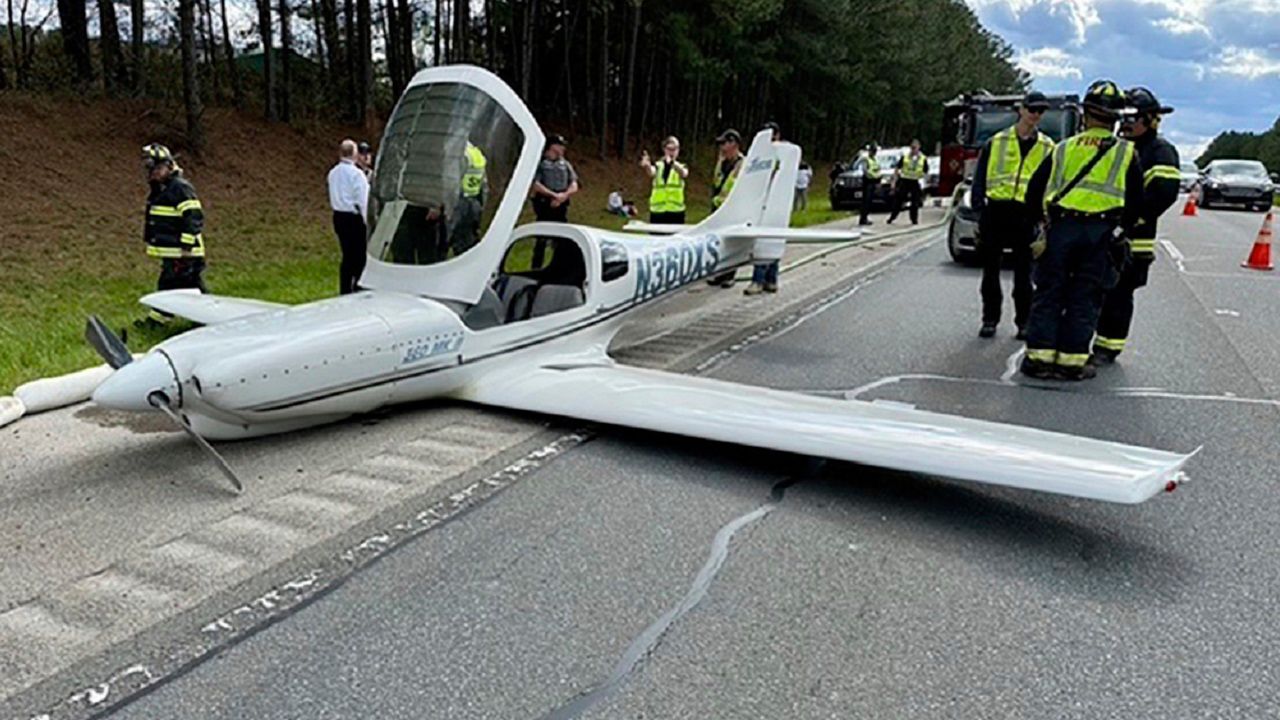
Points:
1088	371
1103	356
1037	369
987	330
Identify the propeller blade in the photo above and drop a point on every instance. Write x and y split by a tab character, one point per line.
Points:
160	401
111	348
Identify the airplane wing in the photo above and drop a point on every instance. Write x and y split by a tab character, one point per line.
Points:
879	434
205	309
795	235
654	228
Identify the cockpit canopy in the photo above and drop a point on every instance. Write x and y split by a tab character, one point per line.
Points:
446	158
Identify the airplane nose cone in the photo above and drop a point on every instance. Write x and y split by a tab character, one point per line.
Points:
129	387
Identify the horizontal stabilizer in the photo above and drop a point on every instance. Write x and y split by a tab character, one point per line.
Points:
881	435
206	309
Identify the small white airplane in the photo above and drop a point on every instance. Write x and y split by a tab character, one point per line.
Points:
460	303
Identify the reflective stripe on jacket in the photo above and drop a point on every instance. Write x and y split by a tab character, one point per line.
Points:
1102	189
175	220
668	194
1007	170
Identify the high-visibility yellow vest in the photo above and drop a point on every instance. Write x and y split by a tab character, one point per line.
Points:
725	183
473	176
872	167
914	167
1102	190
667	195
1007	170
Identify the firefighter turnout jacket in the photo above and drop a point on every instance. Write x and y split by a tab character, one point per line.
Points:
175	220
1160	181
1008	171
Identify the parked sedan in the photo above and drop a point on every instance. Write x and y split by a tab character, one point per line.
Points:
1243	182
1189	176
847	186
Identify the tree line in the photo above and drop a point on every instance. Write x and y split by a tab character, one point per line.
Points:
833	73
1263	146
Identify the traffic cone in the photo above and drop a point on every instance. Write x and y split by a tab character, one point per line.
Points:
1260	256
1190	207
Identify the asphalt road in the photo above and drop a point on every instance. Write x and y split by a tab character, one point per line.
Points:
644	576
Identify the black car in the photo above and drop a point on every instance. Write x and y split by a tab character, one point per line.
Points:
846	186
1243	182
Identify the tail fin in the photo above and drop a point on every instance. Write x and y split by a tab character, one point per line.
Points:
746	201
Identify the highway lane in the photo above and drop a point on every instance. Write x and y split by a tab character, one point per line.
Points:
844	591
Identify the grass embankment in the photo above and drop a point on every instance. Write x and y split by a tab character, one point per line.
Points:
71	213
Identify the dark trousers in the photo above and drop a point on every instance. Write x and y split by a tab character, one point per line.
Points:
907	190
350	229
868	189
667	218
543	211
1071	279
1117	310
1005	225
179	274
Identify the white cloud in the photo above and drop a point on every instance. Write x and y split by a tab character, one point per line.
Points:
1048	62
1248	63
1182	26
1079	14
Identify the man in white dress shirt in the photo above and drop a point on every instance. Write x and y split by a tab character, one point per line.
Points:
349	198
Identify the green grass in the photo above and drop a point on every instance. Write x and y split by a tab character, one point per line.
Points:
257	251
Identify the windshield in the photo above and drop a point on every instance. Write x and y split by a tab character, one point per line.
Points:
1057	123
444	164
1248	168
1190	168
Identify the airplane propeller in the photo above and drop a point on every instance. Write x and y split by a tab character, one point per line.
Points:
111	348
161	402
116	354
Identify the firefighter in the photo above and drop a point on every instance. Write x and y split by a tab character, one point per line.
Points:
174	226
1004	167
1161	177
1088	191
870	179
726	170
906	183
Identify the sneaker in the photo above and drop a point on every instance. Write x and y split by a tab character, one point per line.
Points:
1088	371
1022	333
864	222
1038	369
1103	356
753	289
988	330
771	287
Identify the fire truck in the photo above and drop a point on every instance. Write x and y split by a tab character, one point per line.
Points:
968	122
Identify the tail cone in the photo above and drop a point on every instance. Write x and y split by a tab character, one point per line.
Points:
1260	256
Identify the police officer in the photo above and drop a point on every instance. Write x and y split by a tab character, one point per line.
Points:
907	176
666	199
1159	161
1090	189
999	189
554	183
870	178
174	227
726	174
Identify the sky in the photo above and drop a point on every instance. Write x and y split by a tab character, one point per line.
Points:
1217	62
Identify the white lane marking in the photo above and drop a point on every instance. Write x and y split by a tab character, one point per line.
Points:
1226	311
1142	392
1175	253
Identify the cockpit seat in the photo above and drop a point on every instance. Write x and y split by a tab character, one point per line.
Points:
487	313
516	293
555	298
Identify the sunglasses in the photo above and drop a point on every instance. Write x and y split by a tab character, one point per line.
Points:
1037	110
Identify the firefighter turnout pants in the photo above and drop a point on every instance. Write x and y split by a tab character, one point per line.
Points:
1005	225
179	274
1117	310
1071	279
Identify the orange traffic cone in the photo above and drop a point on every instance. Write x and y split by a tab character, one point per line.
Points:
1190	207
1260	257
